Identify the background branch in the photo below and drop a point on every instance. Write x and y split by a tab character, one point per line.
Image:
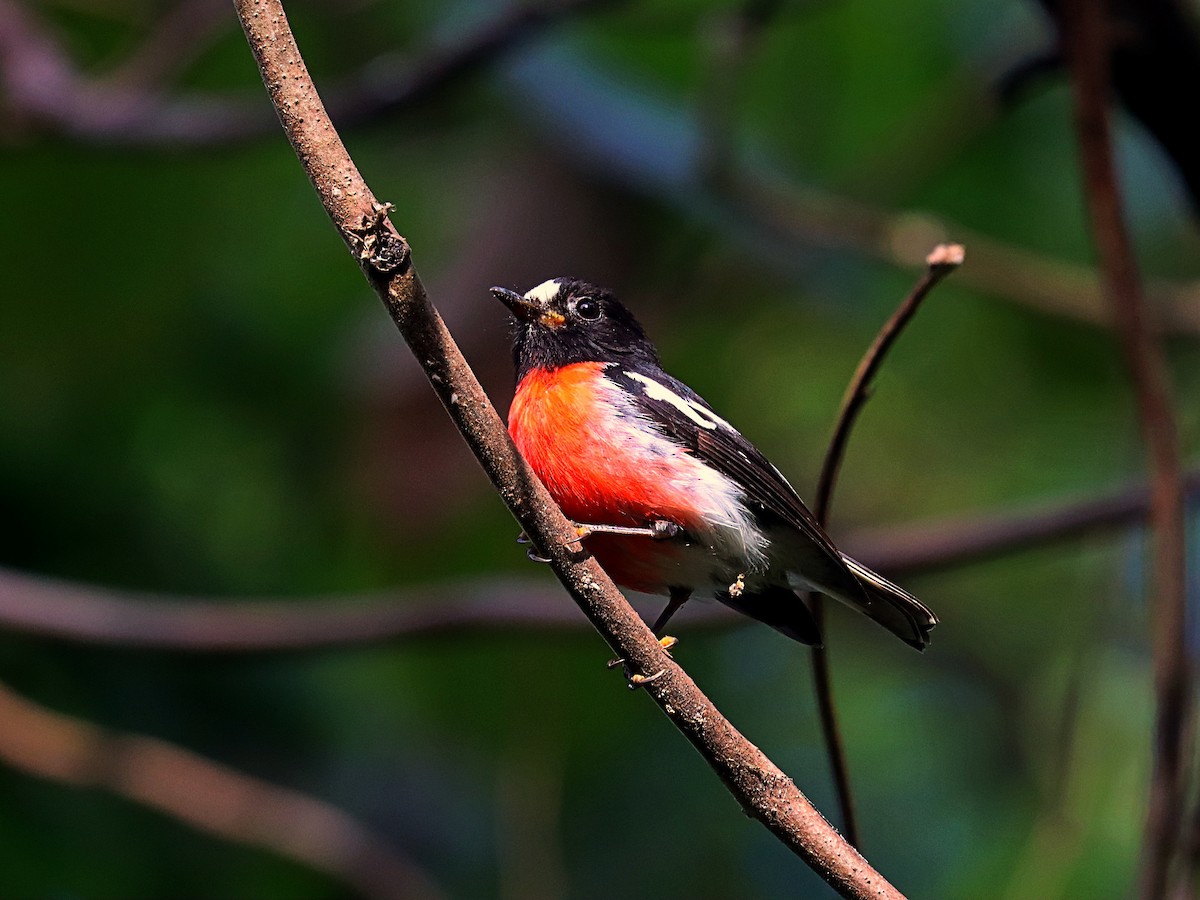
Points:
274	452
1088	32
206	796
61	610
131	107
764	791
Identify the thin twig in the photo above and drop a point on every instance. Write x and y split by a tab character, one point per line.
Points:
1087	34
207	796
944	259
764	791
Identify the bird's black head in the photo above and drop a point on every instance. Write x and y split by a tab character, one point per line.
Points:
565	321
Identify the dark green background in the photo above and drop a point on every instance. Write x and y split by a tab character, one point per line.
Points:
199	395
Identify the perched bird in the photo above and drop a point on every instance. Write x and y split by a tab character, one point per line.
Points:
670	498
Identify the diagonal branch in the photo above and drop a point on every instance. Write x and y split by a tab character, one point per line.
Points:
1087	34
941	262
760	787
207	796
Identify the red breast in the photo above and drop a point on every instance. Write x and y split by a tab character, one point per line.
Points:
599	466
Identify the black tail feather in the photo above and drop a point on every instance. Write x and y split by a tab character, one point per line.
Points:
780	608
891	606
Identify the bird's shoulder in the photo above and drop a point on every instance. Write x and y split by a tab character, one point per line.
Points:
687	419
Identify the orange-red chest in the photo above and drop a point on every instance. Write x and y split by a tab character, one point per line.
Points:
564	423
604	466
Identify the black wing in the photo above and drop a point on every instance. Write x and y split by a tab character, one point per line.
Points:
683	416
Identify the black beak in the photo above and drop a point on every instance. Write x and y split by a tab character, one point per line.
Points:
517	304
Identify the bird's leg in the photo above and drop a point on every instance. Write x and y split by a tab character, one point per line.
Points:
659	530
678	597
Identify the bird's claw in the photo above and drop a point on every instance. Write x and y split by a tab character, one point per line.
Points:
532	552
636	681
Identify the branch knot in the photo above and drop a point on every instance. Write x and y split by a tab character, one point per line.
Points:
379	249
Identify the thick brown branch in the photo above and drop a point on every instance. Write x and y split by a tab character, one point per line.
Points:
1087	33
943	260
760	787
207	796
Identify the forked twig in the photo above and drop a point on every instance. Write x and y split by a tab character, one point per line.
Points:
943	260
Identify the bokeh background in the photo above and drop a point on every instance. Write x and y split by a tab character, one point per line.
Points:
200	398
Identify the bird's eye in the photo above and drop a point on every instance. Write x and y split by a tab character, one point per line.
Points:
587	308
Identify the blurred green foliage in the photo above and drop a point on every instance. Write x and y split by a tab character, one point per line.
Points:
199	395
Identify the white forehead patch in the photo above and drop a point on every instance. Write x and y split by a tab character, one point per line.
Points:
544	292
705	418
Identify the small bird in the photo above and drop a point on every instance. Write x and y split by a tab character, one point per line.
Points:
670	498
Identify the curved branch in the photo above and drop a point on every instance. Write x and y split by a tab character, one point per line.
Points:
944	259
941	262
207	796
760	787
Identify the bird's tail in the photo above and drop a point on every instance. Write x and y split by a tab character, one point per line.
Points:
892	607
